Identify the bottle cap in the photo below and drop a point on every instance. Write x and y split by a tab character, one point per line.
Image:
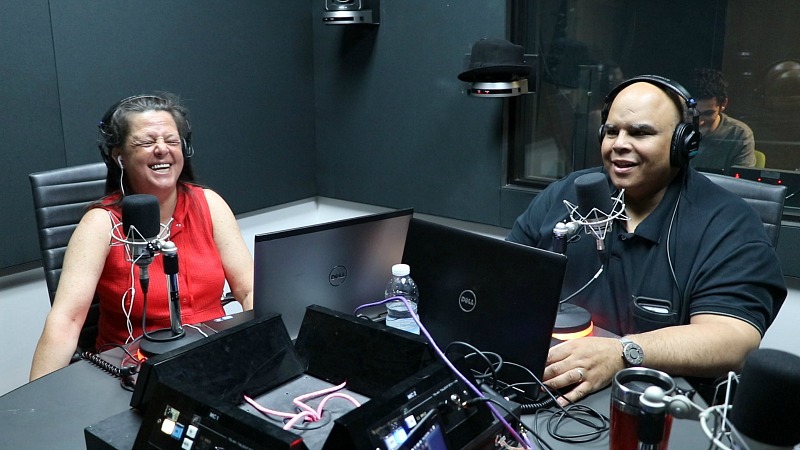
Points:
401	270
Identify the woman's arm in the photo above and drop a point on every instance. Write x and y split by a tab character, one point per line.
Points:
237	262
83	264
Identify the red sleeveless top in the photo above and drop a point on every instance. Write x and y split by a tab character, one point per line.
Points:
201	278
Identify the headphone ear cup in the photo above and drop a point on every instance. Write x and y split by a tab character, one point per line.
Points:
188	150
601	133
677	148
684	146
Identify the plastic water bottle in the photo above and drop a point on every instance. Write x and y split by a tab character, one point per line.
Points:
397	315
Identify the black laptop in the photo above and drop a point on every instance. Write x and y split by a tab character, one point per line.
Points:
339	265
496	295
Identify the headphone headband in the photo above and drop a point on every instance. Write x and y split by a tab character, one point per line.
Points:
663	83
109	135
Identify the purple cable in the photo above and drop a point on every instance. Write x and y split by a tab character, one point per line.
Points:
450	365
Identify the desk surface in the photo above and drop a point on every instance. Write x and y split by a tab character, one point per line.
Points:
53	411
685	433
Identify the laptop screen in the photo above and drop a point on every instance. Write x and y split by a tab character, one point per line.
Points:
339	265
496	295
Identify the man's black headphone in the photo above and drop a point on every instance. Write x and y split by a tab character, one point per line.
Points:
110	138
685	138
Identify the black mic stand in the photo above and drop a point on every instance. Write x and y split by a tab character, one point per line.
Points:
652	419
572	321
164	340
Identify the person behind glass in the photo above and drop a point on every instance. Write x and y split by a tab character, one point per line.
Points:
726	141
146	144
690	282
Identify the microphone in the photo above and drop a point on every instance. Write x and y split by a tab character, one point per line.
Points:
169	251
766	404
141	221
594	202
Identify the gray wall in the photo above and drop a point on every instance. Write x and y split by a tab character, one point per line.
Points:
394	126
244	69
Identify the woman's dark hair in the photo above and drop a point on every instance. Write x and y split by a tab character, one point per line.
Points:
115	128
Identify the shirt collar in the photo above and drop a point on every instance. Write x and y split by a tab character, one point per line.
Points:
652	227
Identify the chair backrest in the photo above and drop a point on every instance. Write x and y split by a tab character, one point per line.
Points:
60	198
761	159
766	199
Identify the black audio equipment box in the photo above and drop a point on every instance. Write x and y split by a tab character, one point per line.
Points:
195	395
388	420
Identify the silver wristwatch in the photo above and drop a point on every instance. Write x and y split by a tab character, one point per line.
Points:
632	353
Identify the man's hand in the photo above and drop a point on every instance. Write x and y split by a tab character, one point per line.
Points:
588	363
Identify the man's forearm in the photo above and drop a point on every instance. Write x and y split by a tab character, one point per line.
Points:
709	346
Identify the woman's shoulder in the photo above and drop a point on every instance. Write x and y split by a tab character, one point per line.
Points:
213	198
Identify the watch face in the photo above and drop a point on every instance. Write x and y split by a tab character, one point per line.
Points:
633	354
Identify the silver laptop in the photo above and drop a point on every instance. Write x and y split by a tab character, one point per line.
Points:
339	265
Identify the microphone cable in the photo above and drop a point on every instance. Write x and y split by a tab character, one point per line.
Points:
594	421
446	361
109	367
591	280
490	368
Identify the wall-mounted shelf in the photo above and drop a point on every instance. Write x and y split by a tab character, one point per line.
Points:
352	12
504	89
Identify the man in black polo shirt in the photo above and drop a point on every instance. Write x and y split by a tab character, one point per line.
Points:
690	281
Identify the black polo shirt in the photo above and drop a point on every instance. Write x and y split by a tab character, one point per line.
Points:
702	250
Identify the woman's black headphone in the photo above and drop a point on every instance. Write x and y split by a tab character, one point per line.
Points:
685	138
110	135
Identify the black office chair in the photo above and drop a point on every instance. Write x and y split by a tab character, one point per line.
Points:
766	199
60	198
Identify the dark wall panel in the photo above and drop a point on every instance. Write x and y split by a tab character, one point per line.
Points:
394	124
243	67
30	122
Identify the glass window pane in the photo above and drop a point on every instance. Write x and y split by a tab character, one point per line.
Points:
586	47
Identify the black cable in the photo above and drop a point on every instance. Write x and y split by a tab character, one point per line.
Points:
530	408
537	408
124	348
109	367
489	365
574	412
597	422
479	400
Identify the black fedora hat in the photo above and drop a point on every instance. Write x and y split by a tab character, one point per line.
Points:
495	60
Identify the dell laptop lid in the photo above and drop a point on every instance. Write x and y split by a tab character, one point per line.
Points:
496	295
339	265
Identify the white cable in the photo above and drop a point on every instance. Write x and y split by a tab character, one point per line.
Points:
197	329
566	299
118	239
128	310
